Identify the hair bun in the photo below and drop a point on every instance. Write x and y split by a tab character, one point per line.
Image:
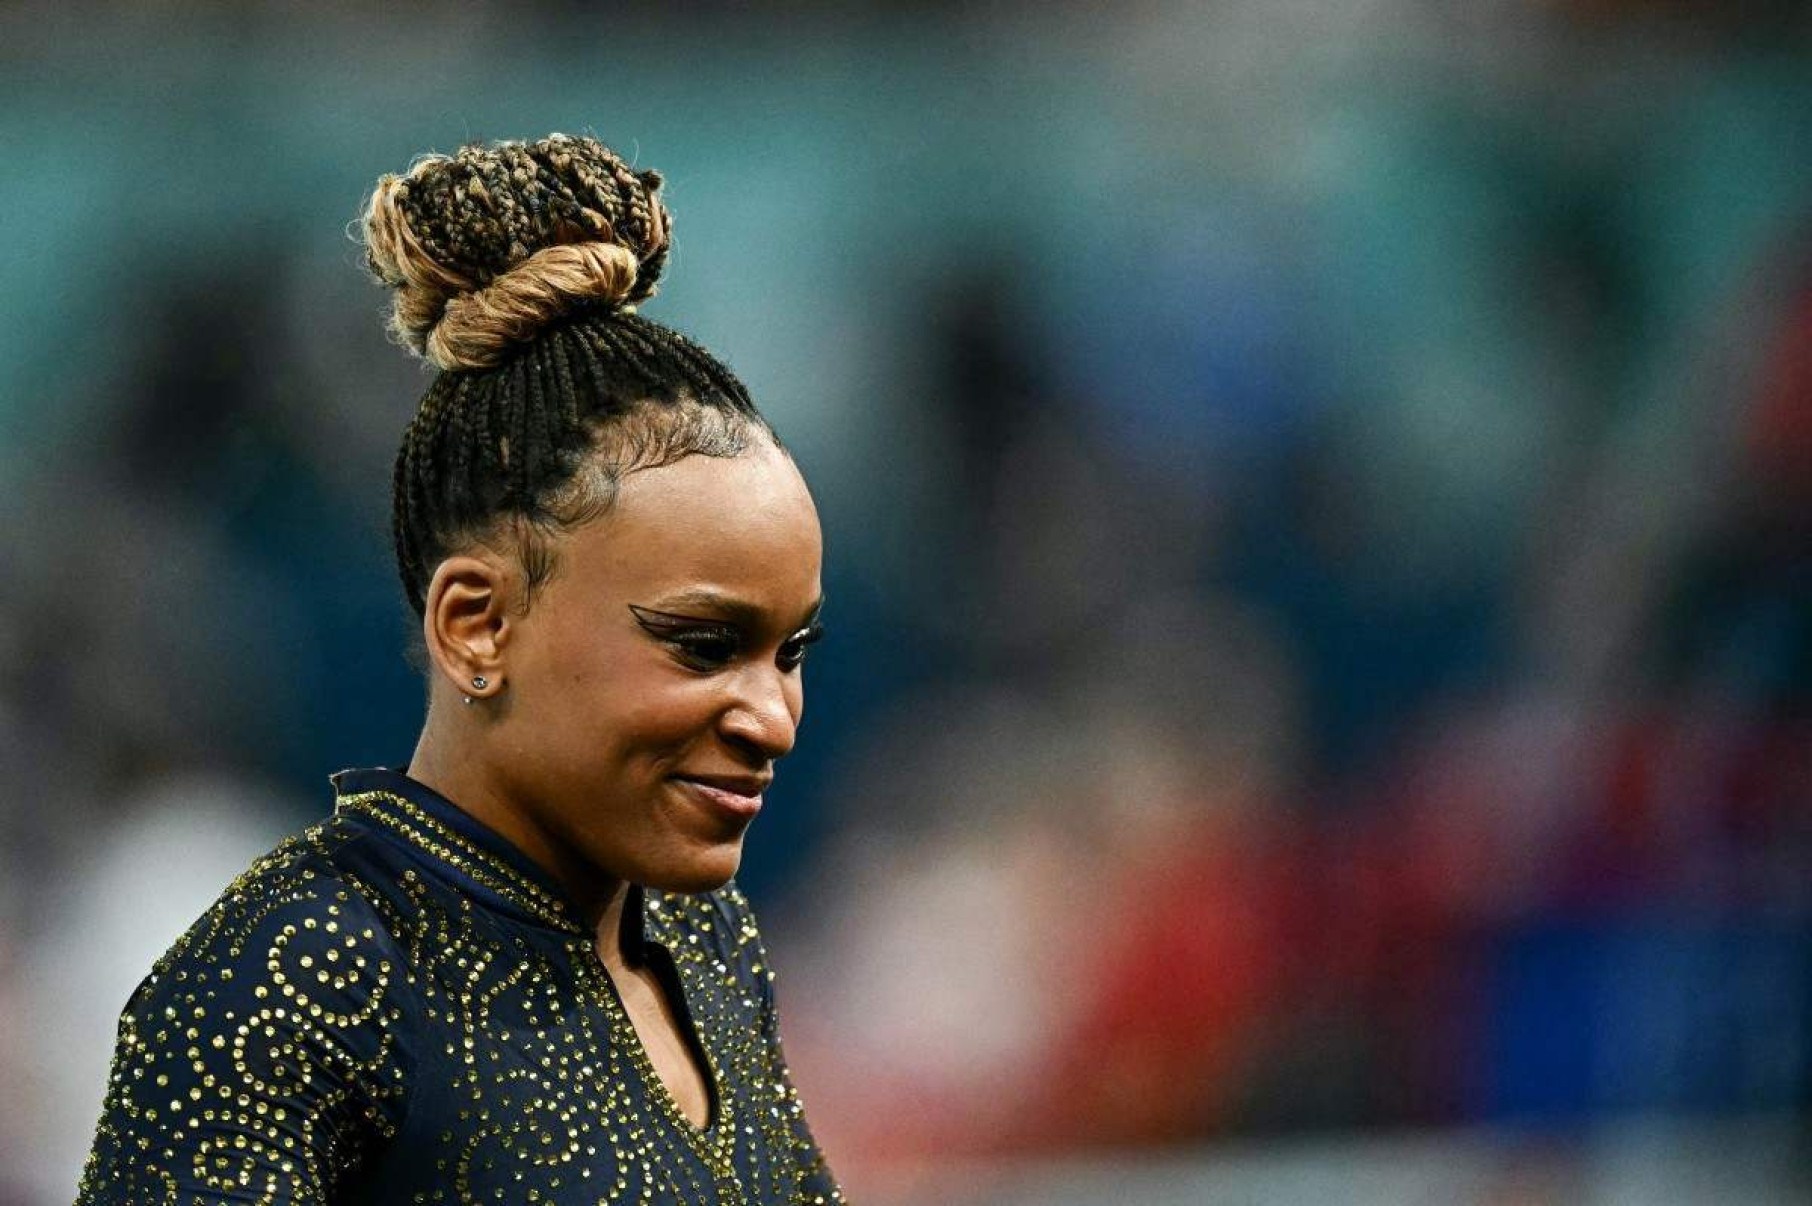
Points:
488	245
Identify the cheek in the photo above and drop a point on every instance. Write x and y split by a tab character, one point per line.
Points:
593	706
618	704
663	713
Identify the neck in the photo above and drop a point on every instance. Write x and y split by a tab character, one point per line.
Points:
445	763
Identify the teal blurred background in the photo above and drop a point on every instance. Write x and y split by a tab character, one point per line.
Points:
1319	502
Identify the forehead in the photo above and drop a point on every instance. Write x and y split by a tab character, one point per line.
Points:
742	525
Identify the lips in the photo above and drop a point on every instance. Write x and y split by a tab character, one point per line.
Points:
737	795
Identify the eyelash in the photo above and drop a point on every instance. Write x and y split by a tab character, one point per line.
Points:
800	642
712	646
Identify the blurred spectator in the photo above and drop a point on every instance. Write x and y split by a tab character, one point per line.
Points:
1320	578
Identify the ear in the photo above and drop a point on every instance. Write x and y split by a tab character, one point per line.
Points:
467	620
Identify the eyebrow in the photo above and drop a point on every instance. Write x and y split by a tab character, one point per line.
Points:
739	611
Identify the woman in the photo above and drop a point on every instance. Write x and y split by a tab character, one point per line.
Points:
519	972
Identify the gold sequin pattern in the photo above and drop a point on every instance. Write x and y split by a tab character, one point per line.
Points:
385	1010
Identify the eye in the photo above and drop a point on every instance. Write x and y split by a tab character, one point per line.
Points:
705	648
792	654
695	643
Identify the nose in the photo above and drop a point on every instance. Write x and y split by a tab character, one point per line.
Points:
763	716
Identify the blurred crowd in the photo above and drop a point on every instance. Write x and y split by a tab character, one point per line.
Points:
1319	502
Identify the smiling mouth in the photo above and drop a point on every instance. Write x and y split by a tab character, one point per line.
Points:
737	796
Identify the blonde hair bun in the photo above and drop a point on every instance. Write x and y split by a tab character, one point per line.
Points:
487	246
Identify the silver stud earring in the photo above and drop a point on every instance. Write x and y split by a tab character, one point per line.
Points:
479	683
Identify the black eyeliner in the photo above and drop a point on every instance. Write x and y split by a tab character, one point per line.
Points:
667	621
680	631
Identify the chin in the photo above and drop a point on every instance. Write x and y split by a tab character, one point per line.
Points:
708	872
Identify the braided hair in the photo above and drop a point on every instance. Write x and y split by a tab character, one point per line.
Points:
517	267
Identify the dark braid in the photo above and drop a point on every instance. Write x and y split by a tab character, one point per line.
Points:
565	401
486	208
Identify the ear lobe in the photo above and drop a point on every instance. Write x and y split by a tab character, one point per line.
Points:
466	620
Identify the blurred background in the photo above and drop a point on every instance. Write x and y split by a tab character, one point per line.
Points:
1319	502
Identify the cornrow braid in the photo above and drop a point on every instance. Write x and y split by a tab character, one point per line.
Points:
516	268
488	245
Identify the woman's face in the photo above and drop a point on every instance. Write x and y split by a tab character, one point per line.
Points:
654	680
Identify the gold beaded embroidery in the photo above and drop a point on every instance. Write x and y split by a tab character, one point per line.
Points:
406	818
334	1030
715	1142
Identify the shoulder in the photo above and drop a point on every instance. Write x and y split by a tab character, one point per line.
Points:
271	1040
294	953
301	900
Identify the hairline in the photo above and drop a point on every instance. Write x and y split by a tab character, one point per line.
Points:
531	540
